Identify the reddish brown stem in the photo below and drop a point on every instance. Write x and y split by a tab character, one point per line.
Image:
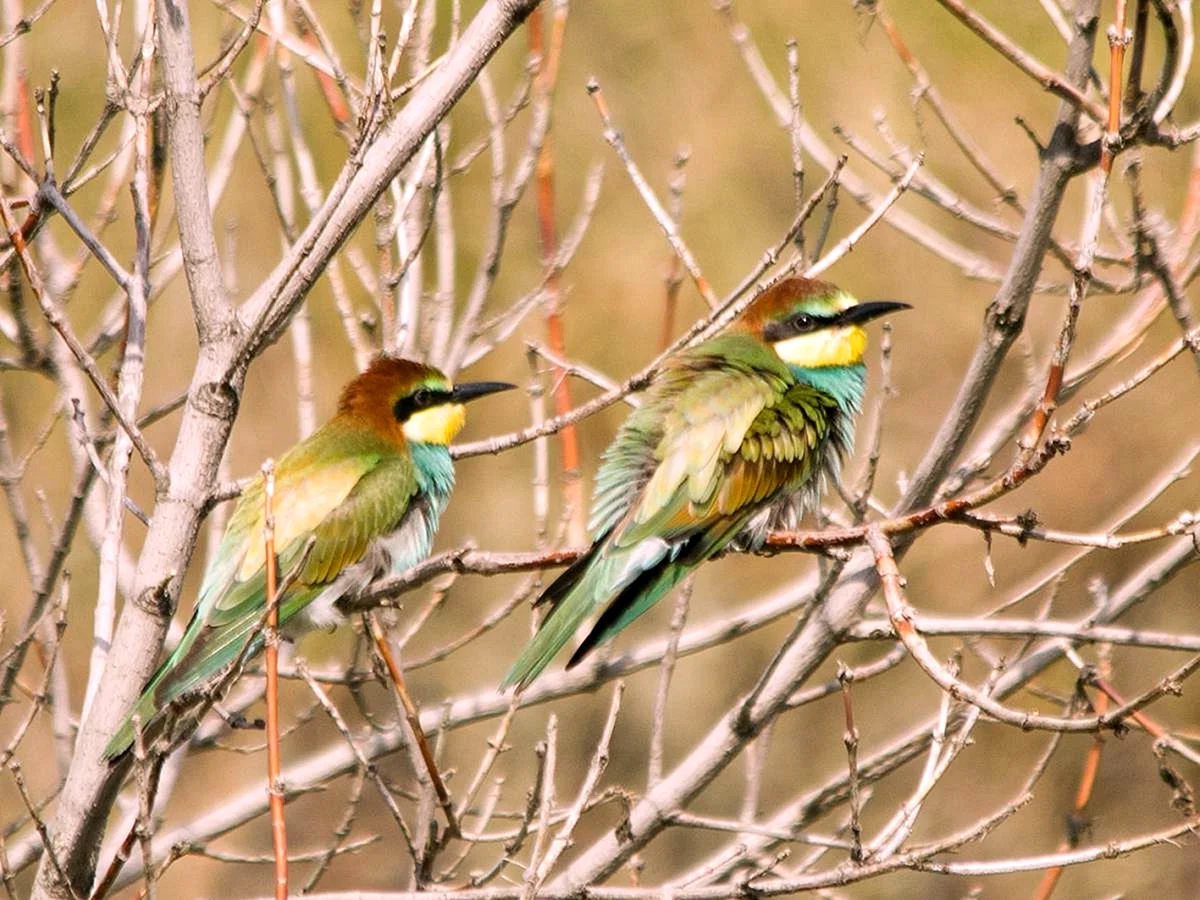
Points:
549	55
274	766
1075	824
1108	692
1116	64
329	87
24	117
413	716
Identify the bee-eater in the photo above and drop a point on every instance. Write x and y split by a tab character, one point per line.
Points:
732	432
359	497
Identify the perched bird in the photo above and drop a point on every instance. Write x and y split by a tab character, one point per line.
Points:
358	498
732	432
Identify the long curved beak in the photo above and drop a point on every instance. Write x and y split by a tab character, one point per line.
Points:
872	309
470	390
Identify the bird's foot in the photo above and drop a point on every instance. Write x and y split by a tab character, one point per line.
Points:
238	721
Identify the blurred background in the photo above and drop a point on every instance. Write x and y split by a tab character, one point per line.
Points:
677	86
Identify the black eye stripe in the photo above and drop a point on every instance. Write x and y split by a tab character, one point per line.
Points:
800	323
421	398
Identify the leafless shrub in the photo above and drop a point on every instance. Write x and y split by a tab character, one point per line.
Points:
812	721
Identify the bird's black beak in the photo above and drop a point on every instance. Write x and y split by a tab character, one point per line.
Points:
470	390
872	309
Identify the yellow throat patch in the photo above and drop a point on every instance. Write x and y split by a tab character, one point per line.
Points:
829	347
437	425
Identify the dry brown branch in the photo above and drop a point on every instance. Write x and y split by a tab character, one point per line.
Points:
1049	80
669	226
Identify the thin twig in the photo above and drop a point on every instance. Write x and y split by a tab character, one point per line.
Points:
275	786
414	721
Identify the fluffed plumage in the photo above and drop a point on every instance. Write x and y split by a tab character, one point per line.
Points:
732	433
360	497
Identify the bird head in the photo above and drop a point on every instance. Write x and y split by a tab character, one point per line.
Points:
813	324
410	401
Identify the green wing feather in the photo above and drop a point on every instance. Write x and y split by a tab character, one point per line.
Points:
341	488
724	431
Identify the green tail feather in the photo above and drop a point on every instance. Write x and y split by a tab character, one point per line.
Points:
643	593
607	574
624	582
195	667
564	583
151	717
177	678
652	584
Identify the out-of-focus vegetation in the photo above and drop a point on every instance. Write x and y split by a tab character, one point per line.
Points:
677	85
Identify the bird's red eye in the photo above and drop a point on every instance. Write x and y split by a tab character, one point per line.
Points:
803	322
421	398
